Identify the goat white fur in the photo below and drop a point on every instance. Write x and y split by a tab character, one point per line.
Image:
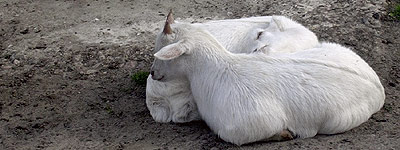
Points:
173	101
250	97
284	36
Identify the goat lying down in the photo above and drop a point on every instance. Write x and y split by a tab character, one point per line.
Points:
252	97
173	101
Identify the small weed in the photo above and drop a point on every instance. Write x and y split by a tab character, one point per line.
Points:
388	108
140	77
396	12
109	110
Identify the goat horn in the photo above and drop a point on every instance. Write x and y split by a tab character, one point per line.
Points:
170	20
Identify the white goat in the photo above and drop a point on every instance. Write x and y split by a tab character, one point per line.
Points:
251	97
173	101
249	34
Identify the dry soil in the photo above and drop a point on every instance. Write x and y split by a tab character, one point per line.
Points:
65	69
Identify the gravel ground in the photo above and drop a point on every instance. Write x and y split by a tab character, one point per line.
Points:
65	69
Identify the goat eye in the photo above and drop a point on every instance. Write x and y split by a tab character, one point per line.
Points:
255	50
258	35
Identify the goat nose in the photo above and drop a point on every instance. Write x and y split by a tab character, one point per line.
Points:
152	73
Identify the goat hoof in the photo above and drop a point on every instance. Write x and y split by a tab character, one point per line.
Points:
286	135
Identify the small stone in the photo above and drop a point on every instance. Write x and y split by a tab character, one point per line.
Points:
41	45
345	141
16	62
365	20
91	71
36	30
36	125
6	67
139	138
25	31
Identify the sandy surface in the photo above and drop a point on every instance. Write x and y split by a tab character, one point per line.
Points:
65	69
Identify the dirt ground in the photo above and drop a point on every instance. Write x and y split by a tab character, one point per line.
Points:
65	69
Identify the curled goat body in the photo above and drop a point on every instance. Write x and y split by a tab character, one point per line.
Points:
251	97
173	101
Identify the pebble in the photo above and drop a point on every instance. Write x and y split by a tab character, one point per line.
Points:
25	31
16	62
91	71
6	67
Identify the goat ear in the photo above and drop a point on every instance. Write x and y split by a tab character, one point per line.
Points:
171	51
277	24
168	22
